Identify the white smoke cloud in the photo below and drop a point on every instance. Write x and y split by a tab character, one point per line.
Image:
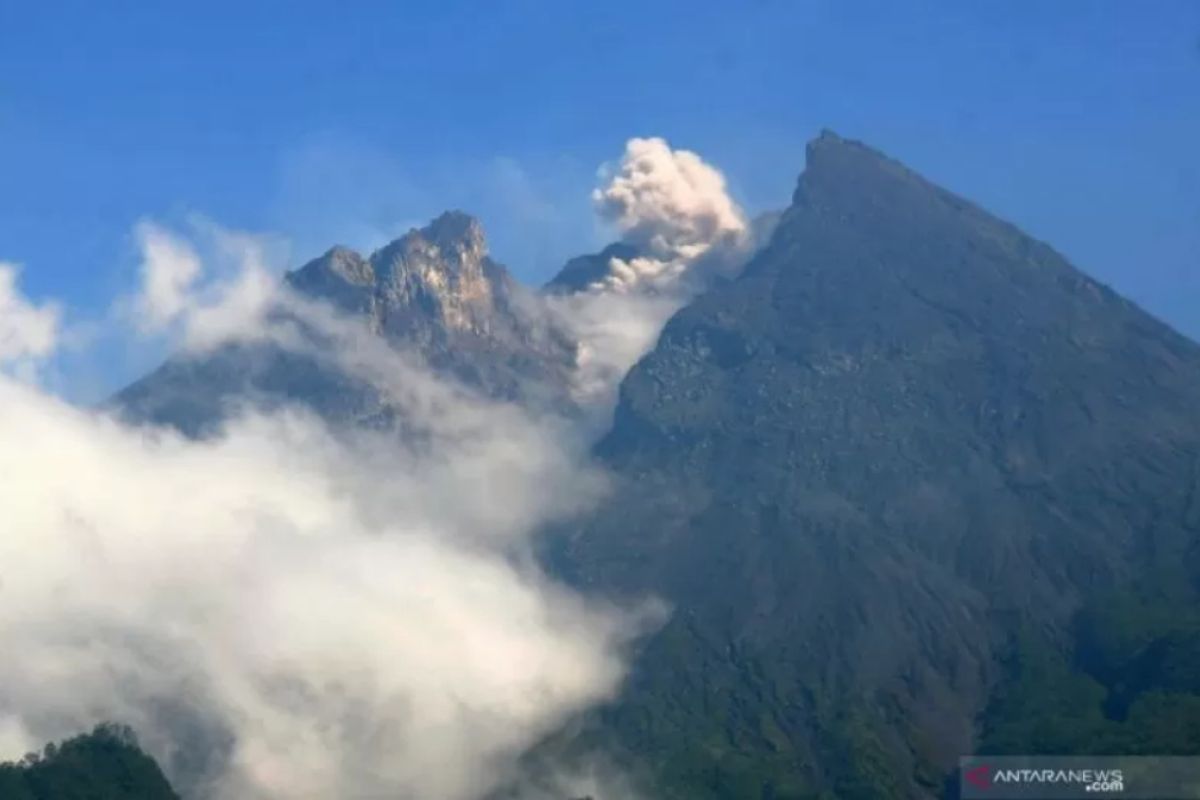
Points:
674	208
669	200
613	330
29	333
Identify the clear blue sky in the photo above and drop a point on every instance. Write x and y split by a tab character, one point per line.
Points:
1080	121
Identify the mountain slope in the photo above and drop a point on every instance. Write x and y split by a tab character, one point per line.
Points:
914	485
434	292
907	434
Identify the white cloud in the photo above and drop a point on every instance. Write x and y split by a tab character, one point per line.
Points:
28	332
284	613
613	330
204	306
169	269
323	617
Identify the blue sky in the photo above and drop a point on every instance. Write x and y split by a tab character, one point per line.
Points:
1079	121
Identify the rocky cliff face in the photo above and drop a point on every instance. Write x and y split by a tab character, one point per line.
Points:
906	434
433	293
436	290
443	270
437	278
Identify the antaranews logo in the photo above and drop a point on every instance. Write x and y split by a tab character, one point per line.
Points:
979	776
1082	777
1079	777
1096	781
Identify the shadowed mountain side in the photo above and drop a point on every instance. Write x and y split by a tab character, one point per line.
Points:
905	434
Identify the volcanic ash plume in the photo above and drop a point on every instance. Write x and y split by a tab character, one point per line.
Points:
673	207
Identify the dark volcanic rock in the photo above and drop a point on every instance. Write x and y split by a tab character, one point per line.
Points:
905	432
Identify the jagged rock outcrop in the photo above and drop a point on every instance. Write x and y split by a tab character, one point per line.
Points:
434	293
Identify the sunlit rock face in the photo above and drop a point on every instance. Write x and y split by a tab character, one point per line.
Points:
433	294
442	274
435	286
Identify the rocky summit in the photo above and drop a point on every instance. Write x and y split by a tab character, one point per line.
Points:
434	293
437	278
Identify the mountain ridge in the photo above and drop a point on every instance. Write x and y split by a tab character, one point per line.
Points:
904	467
434	292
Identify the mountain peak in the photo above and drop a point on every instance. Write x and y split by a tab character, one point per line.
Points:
450	249
839	164
348	264
829	148
456	229
440	270
906	436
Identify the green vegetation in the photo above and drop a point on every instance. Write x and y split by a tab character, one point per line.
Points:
103	765
1130	686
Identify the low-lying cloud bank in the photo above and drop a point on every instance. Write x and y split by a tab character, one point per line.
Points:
281	612
306	619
